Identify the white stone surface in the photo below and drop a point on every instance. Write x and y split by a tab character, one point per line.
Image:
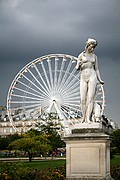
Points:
87	126
88	156
88	162
87	63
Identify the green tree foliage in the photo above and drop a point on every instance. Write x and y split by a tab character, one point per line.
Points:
32	143
5	141
40	141
115	140
49	124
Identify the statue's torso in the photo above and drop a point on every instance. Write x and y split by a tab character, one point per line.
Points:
87	66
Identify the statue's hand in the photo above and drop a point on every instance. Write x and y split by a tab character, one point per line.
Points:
102	82
78	68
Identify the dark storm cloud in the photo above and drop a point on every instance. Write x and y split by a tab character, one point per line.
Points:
32	28
29	24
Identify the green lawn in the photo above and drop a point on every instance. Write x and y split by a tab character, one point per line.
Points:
44	164
115	160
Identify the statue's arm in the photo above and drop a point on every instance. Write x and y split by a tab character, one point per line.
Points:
79	62
97	71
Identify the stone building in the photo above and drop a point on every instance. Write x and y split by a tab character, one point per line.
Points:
22	126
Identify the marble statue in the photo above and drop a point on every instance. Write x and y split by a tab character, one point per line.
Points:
87	64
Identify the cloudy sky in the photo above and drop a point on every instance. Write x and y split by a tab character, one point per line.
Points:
32	28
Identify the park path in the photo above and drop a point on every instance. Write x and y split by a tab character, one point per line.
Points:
27	159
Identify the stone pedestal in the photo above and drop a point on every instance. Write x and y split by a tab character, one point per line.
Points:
87	155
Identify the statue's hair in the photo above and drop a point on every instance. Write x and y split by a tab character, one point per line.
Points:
91	41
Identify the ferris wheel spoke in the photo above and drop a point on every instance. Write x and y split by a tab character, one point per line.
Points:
68	117
72	98
25	97
27	92
65	119
55	73
61	71
72	118
72	95
69	108
36	86
46	76
73	101
65	75
38	82
50	71
71	75
71	90
66	92
46	87
32	106
20	102
70	81
75	107
72	106
28	87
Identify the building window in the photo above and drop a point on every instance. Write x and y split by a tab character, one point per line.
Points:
4	130
11	130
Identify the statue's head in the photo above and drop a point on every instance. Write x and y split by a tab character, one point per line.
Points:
91	41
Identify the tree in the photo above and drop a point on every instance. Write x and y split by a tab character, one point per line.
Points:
115	140
31	143
49	125
5	141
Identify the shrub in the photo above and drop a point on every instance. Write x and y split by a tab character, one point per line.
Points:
58	173
15	171
115	172
10	171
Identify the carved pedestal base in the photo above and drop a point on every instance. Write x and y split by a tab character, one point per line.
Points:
87	155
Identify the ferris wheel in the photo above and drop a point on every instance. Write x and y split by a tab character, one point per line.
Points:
48	84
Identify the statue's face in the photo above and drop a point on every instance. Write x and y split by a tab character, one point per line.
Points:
90	47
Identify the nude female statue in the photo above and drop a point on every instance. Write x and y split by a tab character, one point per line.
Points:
87	63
